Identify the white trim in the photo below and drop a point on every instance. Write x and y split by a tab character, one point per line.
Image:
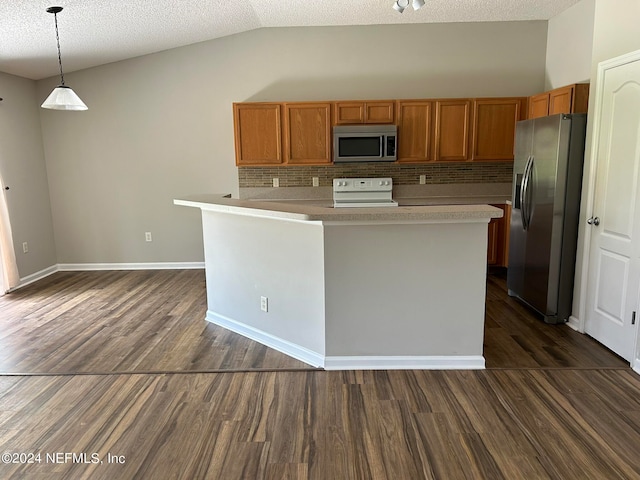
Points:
296	351
576	324
34	277
430	362
439	362
635	365
86	267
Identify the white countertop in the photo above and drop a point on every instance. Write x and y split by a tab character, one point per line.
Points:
322	211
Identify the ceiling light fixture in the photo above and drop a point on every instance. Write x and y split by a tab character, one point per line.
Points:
400	5
62	97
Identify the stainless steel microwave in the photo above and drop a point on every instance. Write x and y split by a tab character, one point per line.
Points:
364	143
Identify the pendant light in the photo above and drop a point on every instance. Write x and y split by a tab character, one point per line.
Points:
62	97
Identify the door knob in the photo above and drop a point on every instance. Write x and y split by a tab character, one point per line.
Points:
594	221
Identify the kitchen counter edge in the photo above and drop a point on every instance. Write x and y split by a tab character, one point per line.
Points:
314	213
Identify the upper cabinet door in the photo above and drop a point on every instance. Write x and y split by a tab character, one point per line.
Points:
257	132
539	105
452	130
307	133
377	111
494	127
415	131
560	100
349	113
569	99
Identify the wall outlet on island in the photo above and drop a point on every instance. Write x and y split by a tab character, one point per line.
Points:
147	237
264	304
25	247
423	179
276	182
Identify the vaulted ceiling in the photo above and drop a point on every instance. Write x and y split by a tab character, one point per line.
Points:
95	32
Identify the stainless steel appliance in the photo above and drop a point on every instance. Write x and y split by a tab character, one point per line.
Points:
364	143
547	179
363	192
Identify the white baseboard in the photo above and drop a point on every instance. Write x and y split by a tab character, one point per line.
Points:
293	350
575	323
85	267
436	362
442	362
34	277
82	267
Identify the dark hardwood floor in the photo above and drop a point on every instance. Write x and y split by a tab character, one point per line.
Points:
122	321
516	337
121	366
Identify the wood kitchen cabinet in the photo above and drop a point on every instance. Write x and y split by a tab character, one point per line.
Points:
570	99
307	133
498	238
376	111
452	125
415	131
539	105
494	127
258	133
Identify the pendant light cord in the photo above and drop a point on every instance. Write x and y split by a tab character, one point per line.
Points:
55	18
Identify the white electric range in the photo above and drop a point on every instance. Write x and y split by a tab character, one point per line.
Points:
363	192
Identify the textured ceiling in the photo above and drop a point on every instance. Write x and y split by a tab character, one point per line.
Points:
95	32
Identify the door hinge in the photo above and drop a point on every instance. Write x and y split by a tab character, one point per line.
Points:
633	318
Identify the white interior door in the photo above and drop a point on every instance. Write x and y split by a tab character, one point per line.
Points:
614	261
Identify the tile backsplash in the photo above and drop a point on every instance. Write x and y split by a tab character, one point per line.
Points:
402	174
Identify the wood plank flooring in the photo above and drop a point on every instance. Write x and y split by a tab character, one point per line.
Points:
491	424
515	337
121	365
153	321
122	321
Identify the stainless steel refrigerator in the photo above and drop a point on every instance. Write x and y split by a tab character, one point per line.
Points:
547	179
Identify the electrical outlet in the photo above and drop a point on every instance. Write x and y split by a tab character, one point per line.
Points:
147	237
315	181
276	182
423	179
264	304
25	247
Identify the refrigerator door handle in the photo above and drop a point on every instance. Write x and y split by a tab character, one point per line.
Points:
528	192
523	193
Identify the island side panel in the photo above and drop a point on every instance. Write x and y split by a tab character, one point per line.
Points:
248	257
405	290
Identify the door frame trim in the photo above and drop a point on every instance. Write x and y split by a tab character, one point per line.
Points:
588	197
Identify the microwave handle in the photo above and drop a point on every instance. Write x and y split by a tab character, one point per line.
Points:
383	146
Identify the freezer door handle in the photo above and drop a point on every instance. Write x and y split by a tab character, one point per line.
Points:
524	194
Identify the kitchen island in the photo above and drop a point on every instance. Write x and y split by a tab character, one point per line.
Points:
350	288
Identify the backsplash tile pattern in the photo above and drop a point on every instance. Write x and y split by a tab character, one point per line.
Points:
402	174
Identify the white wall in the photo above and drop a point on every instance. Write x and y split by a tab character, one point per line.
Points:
160	126
23	170
615	33
249	257
569	46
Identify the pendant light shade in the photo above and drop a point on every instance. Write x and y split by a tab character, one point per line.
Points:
62	97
